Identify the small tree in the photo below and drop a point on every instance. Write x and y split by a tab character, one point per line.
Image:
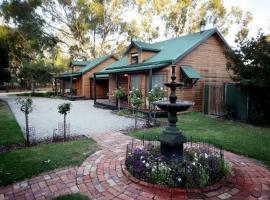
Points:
64	109
157	93
118	93
135	97
26	106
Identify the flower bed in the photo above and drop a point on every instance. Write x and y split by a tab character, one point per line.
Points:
200	166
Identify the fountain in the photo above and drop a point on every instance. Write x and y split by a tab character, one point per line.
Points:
172	139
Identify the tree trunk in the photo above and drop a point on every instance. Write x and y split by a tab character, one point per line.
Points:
27	130
119	106
65	126
135	114
33	86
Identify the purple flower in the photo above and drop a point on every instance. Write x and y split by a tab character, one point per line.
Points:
138	166
137	151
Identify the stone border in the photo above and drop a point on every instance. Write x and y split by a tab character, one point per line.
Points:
209	188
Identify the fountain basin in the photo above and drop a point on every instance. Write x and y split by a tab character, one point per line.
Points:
178	106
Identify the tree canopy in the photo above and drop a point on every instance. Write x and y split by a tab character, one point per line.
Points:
251	62
58	30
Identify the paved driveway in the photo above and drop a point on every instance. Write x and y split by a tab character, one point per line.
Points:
84	118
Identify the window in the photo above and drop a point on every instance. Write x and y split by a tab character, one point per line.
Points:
157	80
189	76
134	58
135	81
187	82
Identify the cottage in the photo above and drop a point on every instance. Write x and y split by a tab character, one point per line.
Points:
77	83
199	58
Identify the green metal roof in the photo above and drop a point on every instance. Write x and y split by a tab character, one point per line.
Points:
121	62
79	63
69	74
176	48
170	51
190	72
91	64
142	46
132	68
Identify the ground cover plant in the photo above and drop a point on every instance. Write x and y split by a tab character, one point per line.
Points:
77	196
240	138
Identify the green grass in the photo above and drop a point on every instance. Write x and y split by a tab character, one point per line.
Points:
237	137
10	132
28	162
72	197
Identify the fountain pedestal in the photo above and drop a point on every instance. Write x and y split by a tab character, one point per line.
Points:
172	139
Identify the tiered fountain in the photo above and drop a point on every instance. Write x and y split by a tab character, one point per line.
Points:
172	139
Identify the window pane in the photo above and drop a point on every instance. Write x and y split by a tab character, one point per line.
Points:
158	80
135	81
134	58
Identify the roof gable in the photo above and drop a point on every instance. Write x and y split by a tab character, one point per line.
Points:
142	46
175	49
88	65
169	51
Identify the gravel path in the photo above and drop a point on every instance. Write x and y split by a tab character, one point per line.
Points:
84	118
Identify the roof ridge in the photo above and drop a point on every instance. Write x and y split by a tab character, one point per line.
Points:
188	34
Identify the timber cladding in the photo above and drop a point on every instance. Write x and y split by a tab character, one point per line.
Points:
208	59
86	78
210	62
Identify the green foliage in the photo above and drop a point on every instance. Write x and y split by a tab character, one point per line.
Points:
36	72
76	196
64	108
39	94
135	97
251	67
118	93
25	104
157	93
25	163
237	137
4	56
10	132
251	62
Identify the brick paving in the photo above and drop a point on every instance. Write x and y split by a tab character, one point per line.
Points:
101	177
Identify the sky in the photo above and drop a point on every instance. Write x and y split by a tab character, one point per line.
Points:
260	12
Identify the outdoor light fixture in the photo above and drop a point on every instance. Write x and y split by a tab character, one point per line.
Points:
74	78
125	75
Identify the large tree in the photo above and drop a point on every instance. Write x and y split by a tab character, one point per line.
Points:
250	64
4	55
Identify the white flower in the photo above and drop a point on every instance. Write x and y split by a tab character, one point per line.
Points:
147	164
141	157
205	155
143	161
179	179
193	163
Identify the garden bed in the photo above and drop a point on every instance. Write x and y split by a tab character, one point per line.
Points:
200	166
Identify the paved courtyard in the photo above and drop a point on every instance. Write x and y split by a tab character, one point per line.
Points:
102	177
84	118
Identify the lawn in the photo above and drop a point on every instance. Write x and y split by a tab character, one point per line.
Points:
237	137
72	197
28	162
10	132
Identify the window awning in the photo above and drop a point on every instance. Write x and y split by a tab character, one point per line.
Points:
190	72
